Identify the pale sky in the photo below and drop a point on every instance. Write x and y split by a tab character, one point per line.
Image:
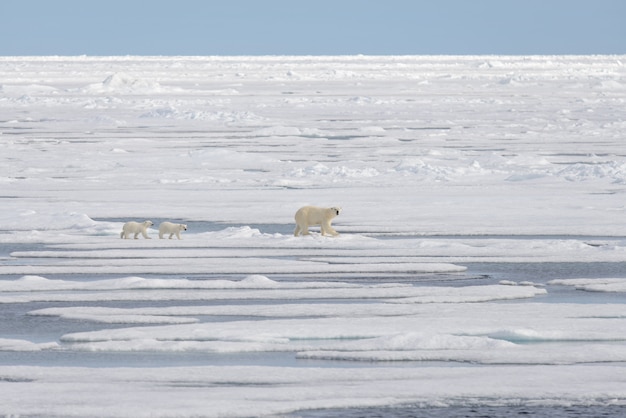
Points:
312	27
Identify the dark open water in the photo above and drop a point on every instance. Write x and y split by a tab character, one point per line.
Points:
579	411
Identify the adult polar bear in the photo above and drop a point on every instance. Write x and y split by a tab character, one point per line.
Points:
136	228
171	228
312	215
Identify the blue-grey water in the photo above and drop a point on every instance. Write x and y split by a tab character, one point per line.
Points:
475	411
17	324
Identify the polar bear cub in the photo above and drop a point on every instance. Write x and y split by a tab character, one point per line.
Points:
171	228
136	228
312	215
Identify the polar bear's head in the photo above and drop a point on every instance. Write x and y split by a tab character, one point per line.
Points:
148	224
183	227
335	210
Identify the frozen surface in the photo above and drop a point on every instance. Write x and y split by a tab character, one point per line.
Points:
480	258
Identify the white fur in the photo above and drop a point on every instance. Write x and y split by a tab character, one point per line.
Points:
312	215
136	228
171	228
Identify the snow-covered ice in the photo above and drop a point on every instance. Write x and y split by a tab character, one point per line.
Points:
481	255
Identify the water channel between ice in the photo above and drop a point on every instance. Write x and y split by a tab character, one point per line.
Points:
18	324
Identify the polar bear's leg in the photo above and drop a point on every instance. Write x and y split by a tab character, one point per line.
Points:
301	229
327	229
145	235
171	235
160	234
136	235
122	235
